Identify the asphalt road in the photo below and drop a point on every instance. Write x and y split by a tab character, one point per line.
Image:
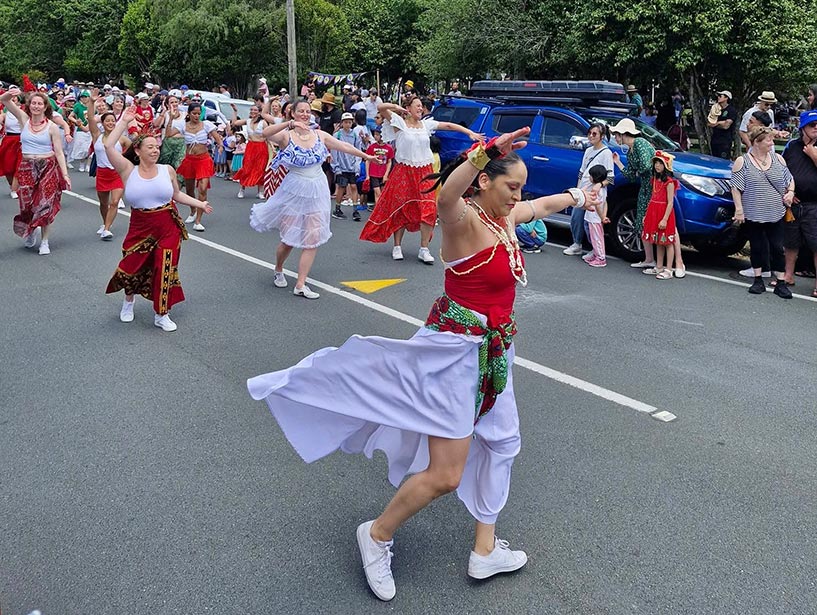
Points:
139	477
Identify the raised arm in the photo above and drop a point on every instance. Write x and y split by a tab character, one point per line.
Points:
474	136
9	99
122	165
386	109
341	146
276	132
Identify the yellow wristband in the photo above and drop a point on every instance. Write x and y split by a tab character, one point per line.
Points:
479	157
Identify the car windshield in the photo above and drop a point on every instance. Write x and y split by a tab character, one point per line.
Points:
656	139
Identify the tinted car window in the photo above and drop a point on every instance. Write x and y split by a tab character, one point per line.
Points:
464	116
508	122
558	132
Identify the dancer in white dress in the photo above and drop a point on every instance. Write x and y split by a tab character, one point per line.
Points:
441	404
300	207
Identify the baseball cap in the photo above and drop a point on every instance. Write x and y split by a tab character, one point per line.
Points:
364	93
148	86
348	86
84	93
176	93
347	116
184	87
282	91
726	93
107	86
808	117
163	92
141	96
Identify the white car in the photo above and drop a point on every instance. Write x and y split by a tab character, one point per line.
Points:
221	106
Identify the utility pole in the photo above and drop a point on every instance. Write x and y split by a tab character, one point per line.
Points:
291	50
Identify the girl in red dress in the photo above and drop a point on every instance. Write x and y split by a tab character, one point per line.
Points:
659	223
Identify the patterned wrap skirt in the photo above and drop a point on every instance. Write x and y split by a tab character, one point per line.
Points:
256	159
10	154
41	185
150	257
403	204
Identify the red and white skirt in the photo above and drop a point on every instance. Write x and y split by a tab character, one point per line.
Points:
402	204
256	159
10	154
197	166
107	180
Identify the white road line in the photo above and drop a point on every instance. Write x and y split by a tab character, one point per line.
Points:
552	374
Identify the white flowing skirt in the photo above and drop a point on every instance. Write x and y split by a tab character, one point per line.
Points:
300	209
80	145
379	393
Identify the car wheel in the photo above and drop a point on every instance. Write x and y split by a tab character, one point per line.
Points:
625	242
729	243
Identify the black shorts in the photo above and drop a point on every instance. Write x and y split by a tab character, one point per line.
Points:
345	179
803	230
376	182
230	156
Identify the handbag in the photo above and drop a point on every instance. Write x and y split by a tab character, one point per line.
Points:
583	168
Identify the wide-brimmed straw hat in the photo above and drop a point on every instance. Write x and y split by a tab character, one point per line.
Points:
317	105
767	97
625	127
328	98
664	157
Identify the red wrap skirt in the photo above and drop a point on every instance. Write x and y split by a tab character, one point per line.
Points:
40	191
150	257
10	154
256	159
402	204
197	166
107	180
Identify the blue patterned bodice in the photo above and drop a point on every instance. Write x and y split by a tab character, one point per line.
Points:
295	156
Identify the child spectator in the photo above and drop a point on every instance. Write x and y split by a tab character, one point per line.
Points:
377	173
220	157
229	151
659	223
532	236
238	153
346	168
594	220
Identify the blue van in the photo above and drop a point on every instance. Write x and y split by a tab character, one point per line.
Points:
559	115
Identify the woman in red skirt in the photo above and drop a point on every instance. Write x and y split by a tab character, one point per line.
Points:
197	167
109	186
151	249
406	202
10	152
257	154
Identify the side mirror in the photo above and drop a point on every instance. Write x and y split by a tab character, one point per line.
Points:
579	143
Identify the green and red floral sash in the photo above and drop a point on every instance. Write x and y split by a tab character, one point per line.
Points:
449	316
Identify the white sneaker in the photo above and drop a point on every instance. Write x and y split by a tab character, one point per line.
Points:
190	218
306	292
70	166
397	253
126	313
45	250
100	229
164	322
501	559
346	202
573	249
106	236
260	196
376	557
642	264
280	281
750	273
121	204
424	256
14	195
33	238
588	257
198	227
241	193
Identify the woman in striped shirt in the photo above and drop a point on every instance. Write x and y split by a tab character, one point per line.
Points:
762	188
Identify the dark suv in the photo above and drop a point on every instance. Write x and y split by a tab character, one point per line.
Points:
559	115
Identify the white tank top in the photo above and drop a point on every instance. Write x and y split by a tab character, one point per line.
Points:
143	193
12	124
36	143
102	156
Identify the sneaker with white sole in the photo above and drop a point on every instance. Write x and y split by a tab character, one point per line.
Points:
376	557
305	292
45	249
100	229
198	227
424	256
642	264
260	196
574	249
126	313
279	280
397	253
241	193
70	166
164	322
106	235
501	559
589	257
33	238
14	195
750	273
190	218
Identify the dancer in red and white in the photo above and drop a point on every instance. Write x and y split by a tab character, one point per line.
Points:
256	153
109	186
441	404
151	249
197	167
405	203
43	173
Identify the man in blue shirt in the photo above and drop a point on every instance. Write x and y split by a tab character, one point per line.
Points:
634	98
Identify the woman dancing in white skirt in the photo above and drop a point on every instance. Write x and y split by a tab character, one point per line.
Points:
441	404
300	207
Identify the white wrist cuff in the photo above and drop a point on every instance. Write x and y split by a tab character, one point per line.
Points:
578	196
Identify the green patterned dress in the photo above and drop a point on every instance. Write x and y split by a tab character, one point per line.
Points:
639	166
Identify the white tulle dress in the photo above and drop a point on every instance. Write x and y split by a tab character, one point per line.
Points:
300	209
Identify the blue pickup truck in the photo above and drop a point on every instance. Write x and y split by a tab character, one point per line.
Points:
559	115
